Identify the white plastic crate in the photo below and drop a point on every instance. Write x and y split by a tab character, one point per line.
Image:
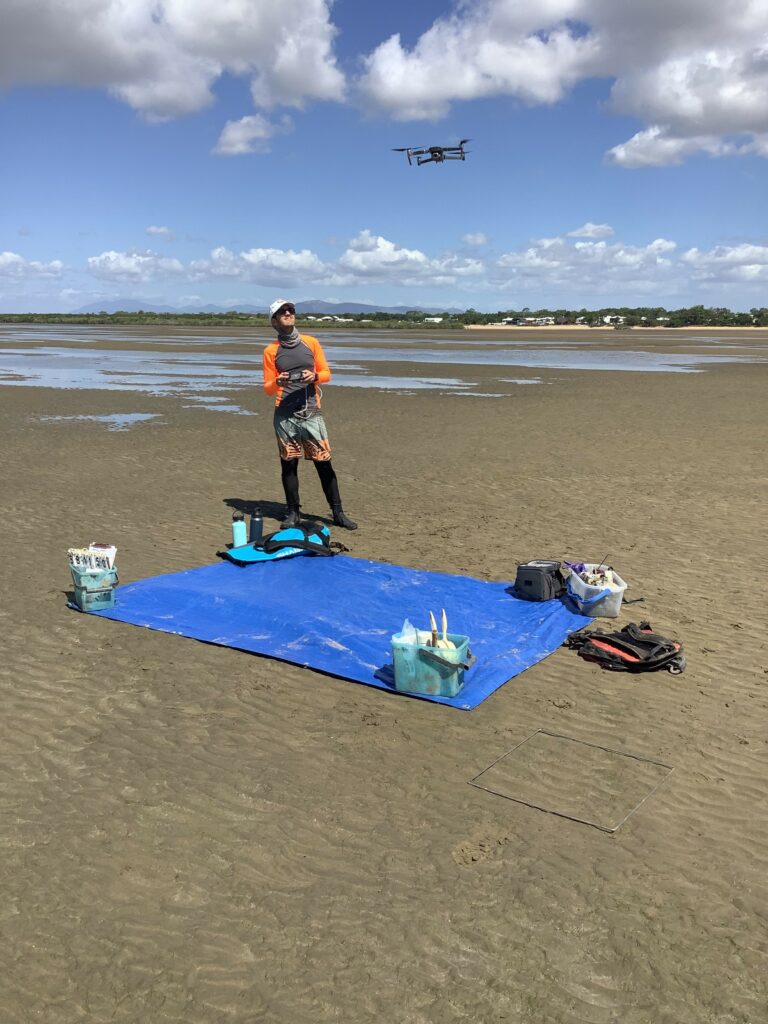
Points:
601	602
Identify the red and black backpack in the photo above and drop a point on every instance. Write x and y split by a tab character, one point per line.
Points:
631	649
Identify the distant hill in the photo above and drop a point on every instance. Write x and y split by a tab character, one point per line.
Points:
320	306
305	306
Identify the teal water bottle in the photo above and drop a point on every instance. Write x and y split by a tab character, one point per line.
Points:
239	534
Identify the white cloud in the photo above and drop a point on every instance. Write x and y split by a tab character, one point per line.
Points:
368	258
250	135
487	52
163	56
743	263
758	145
571	269
133	266
658	147
373	258
590	230
159	231
281	263
13	265
592	268
476	239
278	267
694	72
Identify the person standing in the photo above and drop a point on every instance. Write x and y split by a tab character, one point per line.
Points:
294	367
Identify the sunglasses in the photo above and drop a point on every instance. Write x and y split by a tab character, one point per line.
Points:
286	311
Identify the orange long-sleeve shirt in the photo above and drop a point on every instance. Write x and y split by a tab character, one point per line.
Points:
271	359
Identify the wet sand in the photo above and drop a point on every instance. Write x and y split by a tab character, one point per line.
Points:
195	835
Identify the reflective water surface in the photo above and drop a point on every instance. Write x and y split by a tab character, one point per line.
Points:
172	364
114	421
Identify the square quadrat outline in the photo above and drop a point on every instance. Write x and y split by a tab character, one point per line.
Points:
548	810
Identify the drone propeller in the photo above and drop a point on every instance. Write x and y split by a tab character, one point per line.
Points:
402	149
463	141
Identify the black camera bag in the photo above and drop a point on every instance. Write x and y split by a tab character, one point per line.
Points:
539	580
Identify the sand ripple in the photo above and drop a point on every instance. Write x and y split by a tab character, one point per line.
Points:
191	835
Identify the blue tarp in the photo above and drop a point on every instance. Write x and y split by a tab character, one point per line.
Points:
337	615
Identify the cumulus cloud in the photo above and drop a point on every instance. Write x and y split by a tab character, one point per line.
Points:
158	231
656	146
250	135
738	264
476	239
758	145
570	269
694	72
163	57
487	50
373	258
590	230
593	268
13	265
133	266
368	258
278	267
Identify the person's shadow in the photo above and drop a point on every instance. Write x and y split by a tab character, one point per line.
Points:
268	509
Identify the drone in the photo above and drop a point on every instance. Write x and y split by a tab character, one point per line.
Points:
434	154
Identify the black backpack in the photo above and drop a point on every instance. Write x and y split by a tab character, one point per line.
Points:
631	649
539	580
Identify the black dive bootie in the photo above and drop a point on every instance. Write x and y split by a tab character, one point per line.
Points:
292	519
340	519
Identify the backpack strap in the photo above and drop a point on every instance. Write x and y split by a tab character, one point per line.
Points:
318	543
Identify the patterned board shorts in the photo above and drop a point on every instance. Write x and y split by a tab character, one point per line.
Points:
297	437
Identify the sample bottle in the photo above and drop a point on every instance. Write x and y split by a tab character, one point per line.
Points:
255	528
239	535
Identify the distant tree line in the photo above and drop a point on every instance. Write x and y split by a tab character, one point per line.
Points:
617	316
640	316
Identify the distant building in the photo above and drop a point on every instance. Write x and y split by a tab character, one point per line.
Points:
433	320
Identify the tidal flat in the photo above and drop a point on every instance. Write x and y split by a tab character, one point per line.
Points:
195	835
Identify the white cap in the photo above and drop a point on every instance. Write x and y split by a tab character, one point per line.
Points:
278	304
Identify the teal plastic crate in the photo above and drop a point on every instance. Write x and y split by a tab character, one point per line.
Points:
94	600
93	579
434	670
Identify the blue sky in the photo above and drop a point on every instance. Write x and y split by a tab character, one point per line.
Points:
184	153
